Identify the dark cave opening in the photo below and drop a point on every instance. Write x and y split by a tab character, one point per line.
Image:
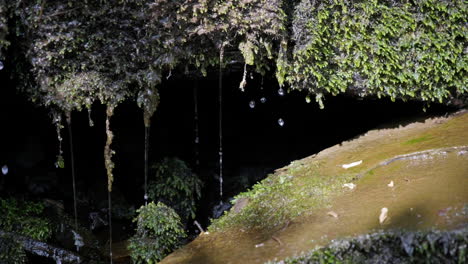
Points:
254	143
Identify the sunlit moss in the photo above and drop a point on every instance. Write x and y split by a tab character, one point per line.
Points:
282	197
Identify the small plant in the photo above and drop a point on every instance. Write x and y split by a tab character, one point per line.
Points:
175	185
11	252
24	218
159	231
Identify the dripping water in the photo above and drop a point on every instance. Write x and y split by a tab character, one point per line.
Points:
110	224
220	99
195	117
72	162
147	133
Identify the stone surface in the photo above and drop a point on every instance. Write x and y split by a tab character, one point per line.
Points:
430	181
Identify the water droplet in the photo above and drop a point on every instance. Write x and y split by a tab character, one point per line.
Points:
5	169
263	100
281	91
197	140
281	122
1	65
307	99
146	197
252	104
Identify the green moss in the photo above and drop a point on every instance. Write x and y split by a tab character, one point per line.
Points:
396	49
417	140
282	197
391	247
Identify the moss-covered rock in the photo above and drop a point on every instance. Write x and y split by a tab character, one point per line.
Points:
391	247
417	172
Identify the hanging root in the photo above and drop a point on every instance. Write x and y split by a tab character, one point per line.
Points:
243	83
90	119
108	152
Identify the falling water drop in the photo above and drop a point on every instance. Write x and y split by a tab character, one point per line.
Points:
5	170
197	140
281	122
1	65
263	100
280	91
252	104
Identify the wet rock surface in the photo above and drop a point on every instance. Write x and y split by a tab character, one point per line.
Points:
417	172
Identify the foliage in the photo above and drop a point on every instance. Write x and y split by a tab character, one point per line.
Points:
282	197
392	247
24	218
80	52
158	233
70	54
175	185
11	252
83	51
207	27
399	49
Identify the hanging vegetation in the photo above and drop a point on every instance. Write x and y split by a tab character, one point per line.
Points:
68	55
80	52
400	49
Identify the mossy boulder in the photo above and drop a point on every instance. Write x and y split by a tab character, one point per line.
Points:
417	172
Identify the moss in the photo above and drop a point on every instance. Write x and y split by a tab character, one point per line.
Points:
282	197
417	140
392	247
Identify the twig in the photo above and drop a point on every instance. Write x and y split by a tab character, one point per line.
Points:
277	240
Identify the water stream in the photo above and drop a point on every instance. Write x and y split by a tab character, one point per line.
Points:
147	134
72	164
220	100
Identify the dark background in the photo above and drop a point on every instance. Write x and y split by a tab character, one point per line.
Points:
253	142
